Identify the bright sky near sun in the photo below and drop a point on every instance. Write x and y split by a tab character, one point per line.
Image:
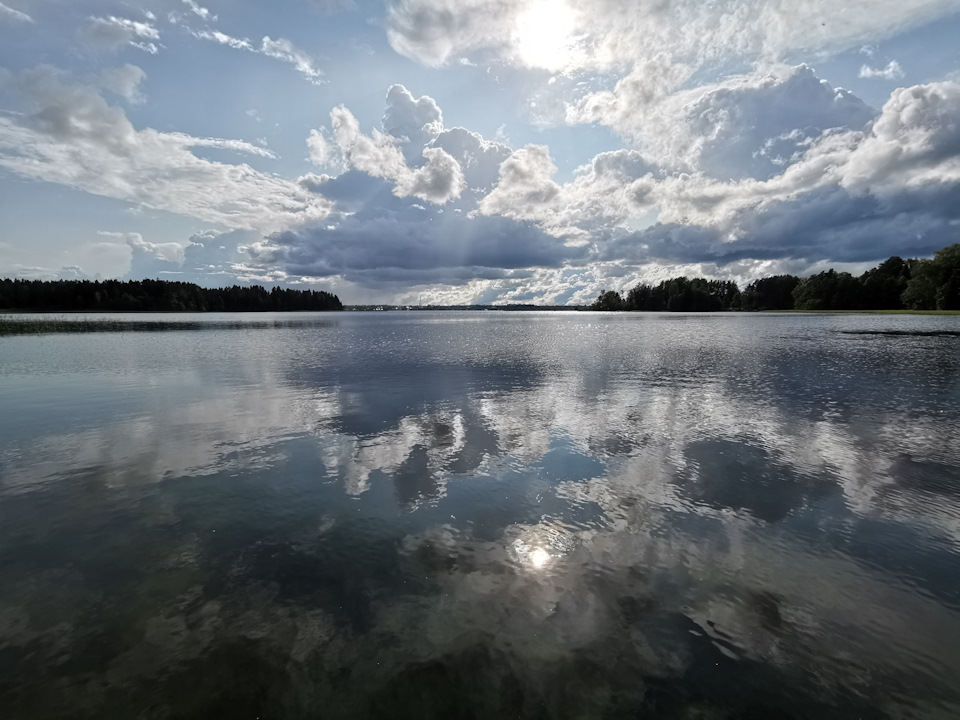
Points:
474	151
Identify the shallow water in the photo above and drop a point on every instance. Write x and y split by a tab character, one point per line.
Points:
483	514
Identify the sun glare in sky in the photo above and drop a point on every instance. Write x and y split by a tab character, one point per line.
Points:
544	35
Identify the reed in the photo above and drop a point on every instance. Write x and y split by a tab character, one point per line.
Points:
13	325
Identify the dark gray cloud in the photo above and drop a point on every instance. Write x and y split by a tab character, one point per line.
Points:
387	239
829	224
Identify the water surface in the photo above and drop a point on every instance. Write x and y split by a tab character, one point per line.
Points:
483	514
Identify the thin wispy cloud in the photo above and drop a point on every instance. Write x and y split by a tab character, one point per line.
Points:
76	138
197	10
9	13
111	33
279	49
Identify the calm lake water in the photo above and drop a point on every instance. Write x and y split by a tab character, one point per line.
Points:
459	515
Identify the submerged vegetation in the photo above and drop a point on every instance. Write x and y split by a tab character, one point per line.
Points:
156	296
895	284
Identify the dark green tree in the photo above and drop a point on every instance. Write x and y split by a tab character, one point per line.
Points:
156	296
770	293
884	285
935	284
830	290
608	300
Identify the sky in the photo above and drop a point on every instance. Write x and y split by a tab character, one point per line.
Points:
474	151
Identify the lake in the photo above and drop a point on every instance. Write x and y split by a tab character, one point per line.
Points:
482	514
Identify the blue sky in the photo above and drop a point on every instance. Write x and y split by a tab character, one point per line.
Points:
463	151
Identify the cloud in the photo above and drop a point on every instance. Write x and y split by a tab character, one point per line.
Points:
414	122
912	142
8	13
850	192
480	159
751	125
378	154
197	10
439	181
829	224
852	196
525	183
640	70
435	31
321	151
609	35
383	240
613	187
892	71
124	81
29	272
855	187
915	142
214	258
113	32
284	50
72	136
242	146
279	49
224	39
171	252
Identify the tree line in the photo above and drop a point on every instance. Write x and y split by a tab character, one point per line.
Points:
156	296
894	284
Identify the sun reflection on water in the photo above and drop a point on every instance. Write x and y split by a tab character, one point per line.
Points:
539	557
540	547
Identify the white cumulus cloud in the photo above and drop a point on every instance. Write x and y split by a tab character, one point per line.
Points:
892	71
750	125
379	154
525	187
414	122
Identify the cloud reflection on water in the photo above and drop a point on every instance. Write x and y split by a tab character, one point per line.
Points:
566	507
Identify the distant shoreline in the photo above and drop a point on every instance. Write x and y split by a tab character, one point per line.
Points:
52	322
864	312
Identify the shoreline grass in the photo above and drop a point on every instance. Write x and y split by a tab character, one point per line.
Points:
13	325
866	312
16	324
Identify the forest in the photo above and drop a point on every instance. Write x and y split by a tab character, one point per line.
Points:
894	284
155	296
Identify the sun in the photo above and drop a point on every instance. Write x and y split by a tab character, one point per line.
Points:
543	35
